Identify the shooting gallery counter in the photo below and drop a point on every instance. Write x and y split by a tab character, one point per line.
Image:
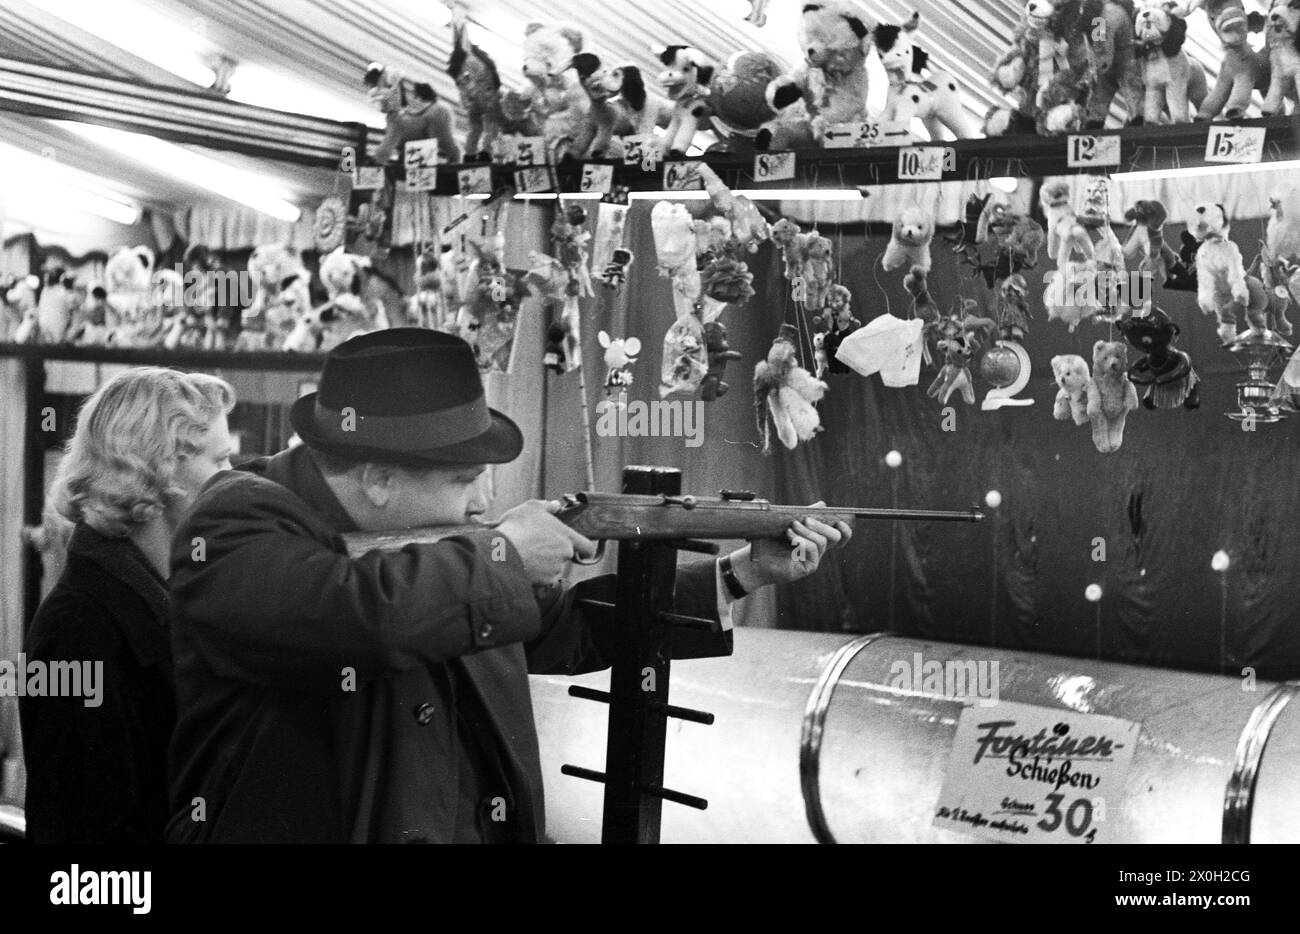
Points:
856	739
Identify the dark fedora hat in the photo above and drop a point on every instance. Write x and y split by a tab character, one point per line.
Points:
405	396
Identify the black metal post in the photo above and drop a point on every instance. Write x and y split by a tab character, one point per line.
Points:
634	750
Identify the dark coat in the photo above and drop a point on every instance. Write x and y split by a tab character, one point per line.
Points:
99	774
319	695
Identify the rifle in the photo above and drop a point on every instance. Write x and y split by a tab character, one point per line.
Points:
621	516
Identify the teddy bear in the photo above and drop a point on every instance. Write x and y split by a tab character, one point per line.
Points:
563	104
1283	40
909	241
1242	69
266	322
1072	377
128	277
1164	372
1110	395
685	79
915	90
719	352
815	272
785	392
1175	84
479	85
835	38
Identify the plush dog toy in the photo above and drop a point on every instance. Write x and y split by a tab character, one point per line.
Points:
1146	244
916	283
909	243
793	245
57	303
479	84
555	88
685	79
604	118
1242	70
1164	372
642	108
832	79
1072	376
1175	84
785	391
909	96
1283	37
1222	288
1110	395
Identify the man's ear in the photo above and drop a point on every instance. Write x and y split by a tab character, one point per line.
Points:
378	483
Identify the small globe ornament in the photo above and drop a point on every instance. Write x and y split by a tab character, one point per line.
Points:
1000	366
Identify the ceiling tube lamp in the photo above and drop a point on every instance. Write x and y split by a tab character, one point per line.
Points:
139	30
169	159
1146	175
34	177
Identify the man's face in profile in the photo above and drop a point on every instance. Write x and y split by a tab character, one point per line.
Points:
450	495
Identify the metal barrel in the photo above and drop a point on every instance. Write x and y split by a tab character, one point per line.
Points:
814	740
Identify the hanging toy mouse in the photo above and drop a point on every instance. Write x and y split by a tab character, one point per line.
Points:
619	355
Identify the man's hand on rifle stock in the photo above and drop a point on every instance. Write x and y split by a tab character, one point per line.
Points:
545	543
780	561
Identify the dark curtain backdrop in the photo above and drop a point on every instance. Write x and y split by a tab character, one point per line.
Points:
1184	485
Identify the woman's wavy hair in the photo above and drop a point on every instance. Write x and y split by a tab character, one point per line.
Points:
119	468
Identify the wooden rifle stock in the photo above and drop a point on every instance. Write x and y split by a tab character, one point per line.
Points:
623	516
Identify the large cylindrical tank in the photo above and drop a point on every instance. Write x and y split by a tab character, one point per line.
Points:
811	732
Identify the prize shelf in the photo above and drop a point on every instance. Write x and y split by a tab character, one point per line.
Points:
1141	148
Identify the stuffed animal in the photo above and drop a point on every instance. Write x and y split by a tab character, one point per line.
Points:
619	355
685	79
1164	372
909	242
168	297
128	276
785	391
291	322
89	327
959	337
793	245
1146	244
1072	376
831	81
641	108
742	118
553	355
479	85
560	99
345	315
916	284
1013	308
521	115
614	275
909	95
1221	274
757	13
604	118
1054	199
1242	70
1175	84
719	352
815	272
1098	47
423	117
1071	292
18	298
265	322
54	310
1110	395
1283	38
839	322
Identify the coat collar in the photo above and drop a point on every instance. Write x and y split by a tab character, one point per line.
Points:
122	560
295	470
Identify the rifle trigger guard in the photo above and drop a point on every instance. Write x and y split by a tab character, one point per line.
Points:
594	559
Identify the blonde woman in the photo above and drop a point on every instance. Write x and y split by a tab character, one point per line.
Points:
145	443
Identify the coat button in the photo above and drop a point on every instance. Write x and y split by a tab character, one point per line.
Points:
424	714
485	630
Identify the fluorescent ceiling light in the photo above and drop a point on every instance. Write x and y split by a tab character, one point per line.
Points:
140	30
1290	165
755	194
263	87
68	202
31	175
169	159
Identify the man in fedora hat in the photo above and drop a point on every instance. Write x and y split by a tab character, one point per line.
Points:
324	698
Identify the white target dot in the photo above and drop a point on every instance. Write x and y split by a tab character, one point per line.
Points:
1092	593
894	459
1220	561
993	499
